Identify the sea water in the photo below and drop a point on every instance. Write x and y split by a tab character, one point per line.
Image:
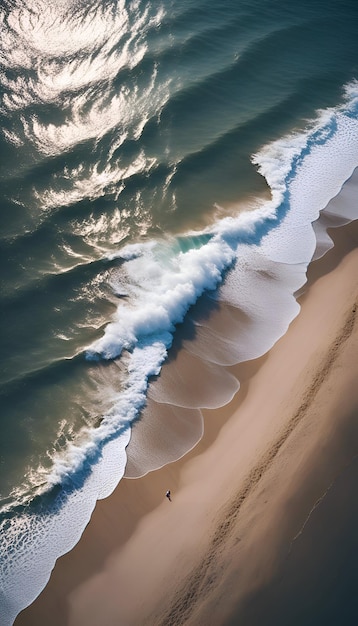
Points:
160	161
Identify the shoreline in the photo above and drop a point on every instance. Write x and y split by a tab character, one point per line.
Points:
142	560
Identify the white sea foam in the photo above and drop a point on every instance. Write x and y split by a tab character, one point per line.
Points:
32	541
258	260
163	283
312	187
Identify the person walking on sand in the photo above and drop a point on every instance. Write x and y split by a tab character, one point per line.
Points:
168	495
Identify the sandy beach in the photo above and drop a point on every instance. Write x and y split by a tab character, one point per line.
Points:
260	527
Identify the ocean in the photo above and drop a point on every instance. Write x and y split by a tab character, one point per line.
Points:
162	163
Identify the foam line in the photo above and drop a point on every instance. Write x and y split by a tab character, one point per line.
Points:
252	261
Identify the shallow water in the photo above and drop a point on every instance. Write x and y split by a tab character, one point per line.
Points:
160	162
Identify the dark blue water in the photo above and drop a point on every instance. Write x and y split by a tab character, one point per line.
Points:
127	126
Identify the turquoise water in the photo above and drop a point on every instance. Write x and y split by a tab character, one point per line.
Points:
159	160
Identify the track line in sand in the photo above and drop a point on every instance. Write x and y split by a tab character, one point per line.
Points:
204	577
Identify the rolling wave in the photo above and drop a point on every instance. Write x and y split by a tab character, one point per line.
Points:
247	262
124	125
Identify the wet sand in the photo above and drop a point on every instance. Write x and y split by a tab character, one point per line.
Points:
261	528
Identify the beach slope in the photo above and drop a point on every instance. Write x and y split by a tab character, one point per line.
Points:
261	524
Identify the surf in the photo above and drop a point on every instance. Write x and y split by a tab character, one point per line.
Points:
255	262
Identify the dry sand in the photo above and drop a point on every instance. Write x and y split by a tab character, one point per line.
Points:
258	529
